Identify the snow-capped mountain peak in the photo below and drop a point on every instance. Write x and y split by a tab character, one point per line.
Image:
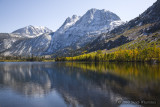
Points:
78	31
74	18
96	17
68	23
32	31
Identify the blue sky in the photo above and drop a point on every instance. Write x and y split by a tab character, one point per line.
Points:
16	14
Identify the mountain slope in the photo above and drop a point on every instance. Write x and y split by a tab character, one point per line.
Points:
150	16
29	46
8	39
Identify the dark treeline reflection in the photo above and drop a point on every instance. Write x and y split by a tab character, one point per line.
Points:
84	84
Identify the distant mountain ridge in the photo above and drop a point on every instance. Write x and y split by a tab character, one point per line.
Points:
32	31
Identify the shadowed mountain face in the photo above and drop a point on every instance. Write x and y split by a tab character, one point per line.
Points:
77	84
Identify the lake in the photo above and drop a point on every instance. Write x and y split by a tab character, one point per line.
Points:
75	84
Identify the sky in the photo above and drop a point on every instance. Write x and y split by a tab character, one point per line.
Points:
15	14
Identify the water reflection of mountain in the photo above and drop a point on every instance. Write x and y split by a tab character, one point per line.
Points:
83	84
25	78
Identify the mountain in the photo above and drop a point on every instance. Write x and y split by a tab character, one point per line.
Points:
77	31
142	31
25	41
31	31
95	30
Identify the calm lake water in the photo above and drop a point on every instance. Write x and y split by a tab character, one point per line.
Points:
47	84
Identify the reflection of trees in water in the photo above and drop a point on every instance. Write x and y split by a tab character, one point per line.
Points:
76	89
138	73
84	84
135	81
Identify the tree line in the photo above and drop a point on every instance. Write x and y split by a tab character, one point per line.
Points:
133	55
23	58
